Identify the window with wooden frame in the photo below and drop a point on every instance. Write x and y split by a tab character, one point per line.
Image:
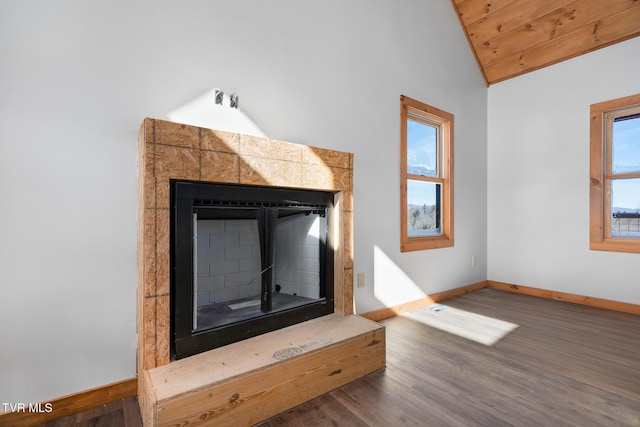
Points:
615	175
426	176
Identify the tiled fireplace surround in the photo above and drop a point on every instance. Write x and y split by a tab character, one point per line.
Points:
251	380
170	150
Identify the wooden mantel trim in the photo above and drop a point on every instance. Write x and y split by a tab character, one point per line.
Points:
71	404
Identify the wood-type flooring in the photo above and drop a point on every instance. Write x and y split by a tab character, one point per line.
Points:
122	413
564	365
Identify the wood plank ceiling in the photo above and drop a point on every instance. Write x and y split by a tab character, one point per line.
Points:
513	37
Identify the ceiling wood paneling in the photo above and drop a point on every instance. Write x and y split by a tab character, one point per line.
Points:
513	37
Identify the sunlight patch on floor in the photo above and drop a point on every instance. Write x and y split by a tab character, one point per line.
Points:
476	327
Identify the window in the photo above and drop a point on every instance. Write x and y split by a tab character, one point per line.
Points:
426	173
615	175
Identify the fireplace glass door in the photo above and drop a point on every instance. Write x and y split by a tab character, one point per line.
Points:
247	260
236	277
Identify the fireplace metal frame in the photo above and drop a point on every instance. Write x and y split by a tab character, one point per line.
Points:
187	196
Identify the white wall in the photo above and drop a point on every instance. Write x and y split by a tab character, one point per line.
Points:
539	176
78	77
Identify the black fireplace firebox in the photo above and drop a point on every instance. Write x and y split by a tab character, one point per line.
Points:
245	261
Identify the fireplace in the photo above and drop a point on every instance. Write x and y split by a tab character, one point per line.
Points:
247	260
251	187
172	152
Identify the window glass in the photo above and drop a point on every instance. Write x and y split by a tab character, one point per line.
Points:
625	208
422	149
423	207
626	144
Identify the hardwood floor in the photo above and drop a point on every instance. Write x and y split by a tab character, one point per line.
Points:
564	365
122	413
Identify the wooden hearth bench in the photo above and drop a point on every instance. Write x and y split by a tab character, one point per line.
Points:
252	380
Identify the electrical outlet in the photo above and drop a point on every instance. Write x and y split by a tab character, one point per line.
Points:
474	260
361	280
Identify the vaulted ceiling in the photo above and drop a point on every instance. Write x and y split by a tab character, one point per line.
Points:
513	37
